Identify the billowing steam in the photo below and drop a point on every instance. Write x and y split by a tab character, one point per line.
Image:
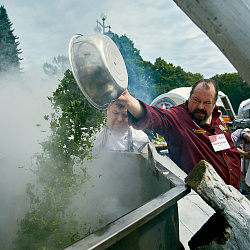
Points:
23	104
117	183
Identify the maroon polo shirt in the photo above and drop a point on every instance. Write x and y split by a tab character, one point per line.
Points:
188	143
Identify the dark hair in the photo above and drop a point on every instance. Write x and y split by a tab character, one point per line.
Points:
117	104
206	83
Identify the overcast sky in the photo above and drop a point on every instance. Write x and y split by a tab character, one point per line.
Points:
158	28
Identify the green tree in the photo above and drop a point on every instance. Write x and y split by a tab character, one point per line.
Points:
139	81
51	222
9	53
168	77
147	80
233	85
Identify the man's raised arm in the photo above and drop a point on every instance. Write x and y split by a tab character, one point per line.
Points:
136	109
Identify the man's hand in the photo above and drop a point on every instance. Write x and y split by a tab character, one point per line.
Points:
247	154
133	105
124	98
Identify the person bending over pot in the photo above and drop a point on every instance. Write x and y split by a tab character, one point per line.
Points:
117	134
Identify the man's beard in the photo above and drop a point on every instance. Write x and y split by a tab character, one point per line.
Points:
199	121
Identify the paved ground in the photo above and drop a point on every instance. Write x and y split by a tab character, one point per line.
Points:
244	187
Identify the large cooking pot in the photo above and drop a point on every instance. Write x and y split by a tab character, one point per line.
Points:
98	68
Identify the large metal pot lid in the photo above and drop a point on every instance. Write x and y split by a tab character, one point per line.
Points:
98	68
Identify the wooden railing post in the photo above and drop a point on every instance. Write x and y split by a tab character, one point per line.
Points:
232	209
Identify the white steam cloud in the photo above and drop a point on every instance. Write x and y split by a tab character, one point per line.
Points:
117	184
23	105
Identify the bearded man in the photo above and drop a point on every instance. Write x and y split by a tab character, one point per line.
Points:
193	131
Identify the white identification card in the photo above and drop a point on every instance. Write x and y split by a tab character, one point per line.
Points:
219	142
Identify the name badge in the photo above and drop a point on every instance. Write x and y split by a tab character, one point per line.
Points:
219	142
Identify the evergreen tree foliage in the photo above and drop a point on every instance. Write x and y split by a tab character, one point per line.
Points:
9	53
